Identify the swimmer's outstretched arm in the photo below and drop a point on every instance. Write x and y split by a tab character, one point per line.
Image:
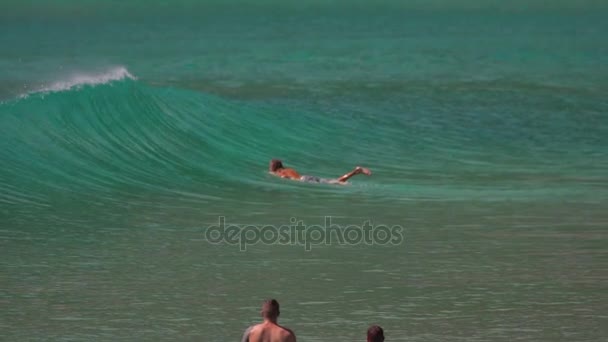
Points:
356	171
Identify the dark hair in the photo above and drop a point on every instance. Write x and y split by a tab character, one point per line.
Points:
375	334
275	164
270	308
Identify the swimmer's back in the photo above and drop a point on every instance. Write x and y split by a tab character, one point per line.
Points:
288	173
269	332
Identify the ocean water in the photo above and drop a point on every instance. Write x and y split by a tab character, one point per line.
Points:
128	130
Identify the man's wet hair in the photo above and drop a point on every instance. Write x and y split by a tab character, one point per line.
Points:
275	164
270	308
375	334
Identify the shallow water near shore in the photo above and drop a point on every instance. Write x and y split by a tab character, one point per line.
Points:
125	135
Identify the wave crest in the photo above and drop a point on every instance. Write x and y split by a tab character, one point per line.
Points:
78	80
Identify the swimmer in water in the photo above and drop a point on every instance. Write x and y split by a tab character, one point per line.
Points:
276	168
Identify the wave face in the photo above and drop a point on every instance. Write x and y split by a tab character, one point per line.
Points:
109	134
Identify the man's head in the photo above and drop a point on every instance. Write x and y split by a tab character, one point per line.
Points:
275	165
375	334
270	309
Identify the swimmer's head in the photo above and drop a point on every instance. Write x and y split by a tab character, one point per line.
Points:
375	334
275	165
270	309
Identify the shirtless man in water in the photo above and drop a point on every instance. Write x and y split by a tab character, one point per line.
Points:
276	167
269	330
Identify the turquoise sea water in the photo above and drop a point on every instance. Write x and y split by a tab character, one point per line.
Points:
126	130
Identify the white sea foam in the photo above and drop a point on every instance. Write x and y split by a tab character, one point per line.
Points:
78	79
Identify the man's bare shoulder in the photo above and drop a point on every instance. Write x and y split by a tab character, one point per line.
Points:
290	335
289	331
287	334
255	328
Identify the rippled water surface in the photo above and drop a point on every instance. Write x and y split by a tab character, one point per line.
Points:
125	135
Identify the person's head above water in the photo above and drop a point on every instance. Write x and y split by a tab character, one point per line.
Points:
375	334
270	309
275	165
